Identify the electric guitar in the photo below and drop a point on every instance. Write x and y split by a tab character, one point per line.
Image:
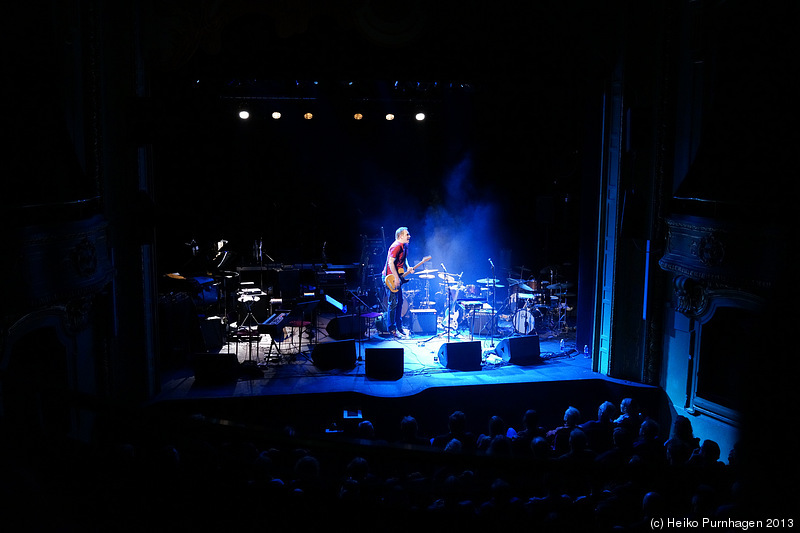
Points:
392	285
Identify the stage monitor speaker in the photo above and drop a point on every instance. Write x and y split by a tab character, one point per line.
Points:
346	327
461	355
215	368
423	321
520	350
336	354
384	363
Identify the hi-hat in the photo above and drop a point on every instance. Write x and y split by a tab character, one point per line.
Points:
427	271
427	276
487	280
446	276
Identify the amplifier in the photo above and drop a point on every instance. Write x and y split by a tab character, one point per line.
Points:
423	321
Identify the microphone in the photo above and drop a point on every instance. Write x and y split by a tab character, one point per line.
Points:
443	267
490	262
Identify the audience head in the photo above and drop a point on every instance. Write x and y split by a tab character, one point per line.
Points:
572	416
577	440
678	452
497	426
409	427
499	445
541	448
366	430
627	407
457	422
607	412
454	446
649	429
531	419
357	469
682	428
710	451
653	505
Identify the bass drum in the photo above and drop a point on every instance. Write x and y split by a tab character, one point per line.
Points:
523	321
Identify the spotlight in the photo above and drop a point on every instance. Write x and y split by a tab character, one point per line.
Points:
358	116
389	116
420	116
276	115
308	116
244	114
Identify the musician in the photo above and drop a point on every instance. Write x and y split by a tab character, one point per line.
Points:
397	260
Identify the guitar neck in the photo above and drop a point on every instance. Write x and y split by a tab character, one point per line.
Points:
415	266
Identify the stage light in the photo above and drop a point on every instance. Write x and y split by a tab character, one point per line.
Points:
358	116
244	114
276	115
420	116
308	116
389	116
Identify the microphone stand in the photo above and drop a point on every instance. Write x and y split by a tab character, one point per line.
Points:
449	311
494	301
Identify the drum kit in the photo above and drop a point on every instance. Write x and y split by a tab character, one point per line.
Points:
537	305
531	305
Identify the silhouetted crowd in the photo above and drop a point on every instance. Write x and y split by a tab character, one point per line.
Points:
613	471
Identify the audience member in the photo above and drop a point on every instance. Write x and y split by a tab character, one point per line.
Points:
457	429
612	465
600	432
629	417
530	429
705	468
682	432
497	427
648	447
409	432
577	466
559	437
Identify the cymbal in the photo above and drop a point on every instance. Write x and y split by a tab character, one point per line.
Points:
522	268
427	271
427	276
558	286
512	282
488	281
445	275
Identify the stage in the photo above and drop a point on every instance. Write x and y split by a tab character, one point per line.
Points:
250	382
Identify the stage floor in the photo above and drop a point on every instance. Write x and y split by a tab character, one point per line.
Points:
289	367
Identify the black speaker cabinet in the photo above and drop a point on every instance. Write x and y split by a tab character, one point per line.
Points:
213	330
461	355
337	354
215	367
346	327
520	350
423	321
384	363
